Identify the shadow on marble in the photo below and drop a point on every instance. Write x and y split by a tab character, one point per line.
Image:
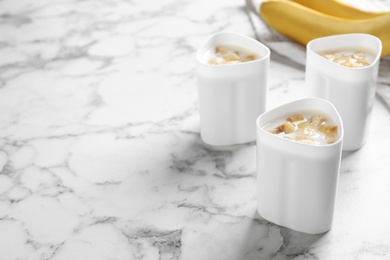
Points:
293	244
226	147
384	96
347	154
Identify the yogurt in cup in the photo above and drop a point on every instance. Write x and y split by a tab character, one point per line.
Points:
350	89
231	95
297	181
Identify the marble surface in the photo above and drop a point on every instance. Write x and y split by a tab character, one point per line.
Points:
100	153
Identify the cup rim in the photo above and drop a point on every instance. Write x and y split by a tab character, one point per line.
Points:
201	49
292	103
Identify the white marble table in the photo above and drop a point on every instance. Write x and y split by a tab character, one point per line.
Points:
100	154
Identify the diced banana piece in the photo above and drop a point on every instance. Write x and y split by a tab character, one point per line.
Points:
328	56
216	61
228	55
317	120
355	60
274	131
233	62
287	127
347	64
307	141
232	56
339	60
329	130
308	130
212	62
220	50
359	55
249	57
295	118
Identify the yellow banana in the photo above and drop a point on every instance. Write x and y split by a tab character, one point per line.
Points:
303	24
338	9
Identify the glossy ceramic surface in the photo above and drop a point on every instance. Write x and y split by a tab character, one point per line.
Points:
351	90
297	182
231	96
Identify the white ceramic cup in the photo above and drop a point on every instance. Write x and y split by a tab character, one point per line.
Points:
231	96
351	90
297	182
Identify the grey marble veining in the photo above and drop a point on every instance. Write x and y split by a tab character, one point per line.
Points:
100	153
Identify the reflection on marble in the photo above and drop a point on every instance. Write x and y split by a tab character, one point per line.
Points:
100	154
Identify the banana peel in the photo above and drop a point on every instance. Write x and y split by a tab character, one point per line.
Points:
338	9
303	24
